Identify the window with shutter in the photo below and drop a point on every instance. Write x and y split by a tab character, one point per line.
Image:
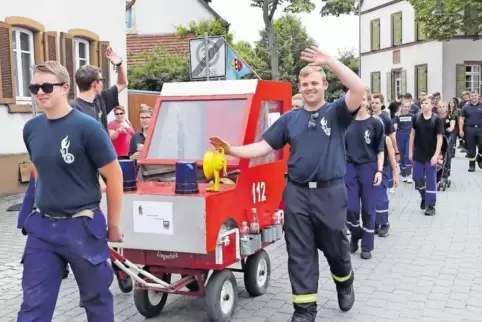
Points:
104	63
389	87
403	86
51	46
397	29
420	80
460	80
7	79
375	34
67	59
375	82
86	44
421	33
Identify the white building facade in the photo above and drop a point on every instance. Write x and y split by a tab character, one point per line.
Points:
35	31
397	58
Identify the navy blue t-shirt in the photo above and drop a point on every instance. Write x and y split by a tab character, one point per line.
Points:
404	122
316	139
67	154
472	114
364	140
414	109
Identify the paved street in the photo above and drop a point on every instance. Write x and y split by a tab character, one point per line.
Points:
428	269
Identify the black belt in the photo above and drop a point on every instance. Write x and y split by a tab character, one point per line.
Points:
318	184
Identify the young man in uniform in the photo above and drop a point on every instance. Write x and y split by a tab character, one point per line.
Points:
470	128
414	109
425	146
315	196
94	100
137	140
382	225
403	127
68	149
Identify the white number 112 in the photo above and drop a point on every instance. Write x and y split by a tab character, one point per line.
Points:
258	192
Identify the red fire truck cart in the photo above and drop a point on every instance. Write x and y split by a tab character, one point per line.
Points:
201	214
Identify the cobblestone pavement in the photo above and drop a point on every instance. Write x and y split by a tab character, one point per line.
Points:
427	269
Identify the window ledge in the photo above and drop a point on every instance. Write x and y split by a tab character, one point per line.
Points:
131	31
21	108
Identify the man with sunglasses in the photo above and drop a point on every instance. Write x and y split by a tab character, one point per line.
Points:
94	100
315	196
68	150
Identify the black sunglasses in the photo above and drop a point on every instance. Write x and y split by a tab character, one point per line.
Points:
119	113
312	121
47	88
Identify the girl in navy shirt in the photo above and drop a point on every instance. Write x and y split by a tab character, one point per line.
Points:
365	139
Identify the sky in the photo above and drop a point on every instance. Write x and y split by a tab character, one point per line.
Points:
331	33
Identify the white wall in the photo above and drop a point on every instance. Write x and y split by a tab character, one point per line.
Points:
369	4
410	57
384	14
106	18
456	52
162	16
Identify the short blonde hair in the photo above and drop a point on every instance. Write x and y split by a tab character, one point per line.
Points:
443	106
145	109
307	70
426	98
53	68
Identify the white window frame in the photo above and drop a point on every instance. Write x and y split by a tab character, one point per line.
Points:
78	41
397	83
18	54
473	81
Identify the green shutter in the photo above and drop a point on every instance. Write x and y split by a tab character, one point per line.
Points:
389	87
397	29
460	79
375	82
375	30
421	33
404	82
421	74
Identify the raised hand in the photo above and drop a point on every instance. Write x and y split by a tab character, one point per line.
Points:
112	56
315	57
217	142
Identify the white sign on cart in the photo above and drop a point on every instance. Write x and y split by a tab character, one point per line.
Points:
150	217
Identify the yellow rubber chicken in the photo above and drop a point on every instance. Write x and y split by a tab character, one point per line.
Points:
218	163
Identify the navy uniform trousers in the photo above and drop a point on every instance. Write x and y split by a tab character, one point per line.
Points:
473	140
383	203
403	140
81	242
315	219
425	178
359	185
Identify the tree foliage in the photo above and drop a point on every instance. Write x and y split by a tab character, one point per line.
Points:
291	38
158	67
444	19
335	87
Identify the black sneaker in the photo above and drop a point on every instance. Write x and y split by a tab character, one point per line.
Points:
353	246
346	297
479	164
377	229
383	231
366	255
423	206
430	211
125	284
302	318
472	168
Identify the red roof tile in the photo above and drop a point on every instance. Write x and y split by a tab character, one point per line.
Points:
137	44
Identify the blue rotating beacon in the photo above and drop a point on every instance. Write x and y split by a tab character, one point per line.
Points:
186	177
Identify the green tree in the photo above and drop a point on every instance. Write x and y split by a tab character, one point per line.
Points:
158	67
291	38
244	49
335	87
441	19
269	8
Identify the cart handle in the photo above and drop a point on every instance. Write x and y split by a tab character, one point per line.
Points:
133	271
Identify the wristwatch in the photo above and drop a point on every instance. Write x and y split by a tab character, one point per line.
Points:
381	171
117	65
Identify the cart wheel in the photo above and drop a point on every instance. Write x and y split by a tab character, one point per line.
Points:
150	303
221	296
257	273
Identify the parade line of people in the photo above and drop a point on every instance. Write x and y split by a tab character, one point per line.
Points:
342	163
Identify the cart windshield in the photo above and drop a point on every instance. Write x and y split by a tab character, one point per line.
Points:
182	128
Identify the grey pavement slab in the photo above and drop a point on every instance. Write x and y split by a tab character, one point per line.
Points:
427	269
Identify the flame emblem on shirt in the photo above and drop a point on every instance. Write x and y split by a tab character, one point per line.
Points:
368	140
64	151
324	126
